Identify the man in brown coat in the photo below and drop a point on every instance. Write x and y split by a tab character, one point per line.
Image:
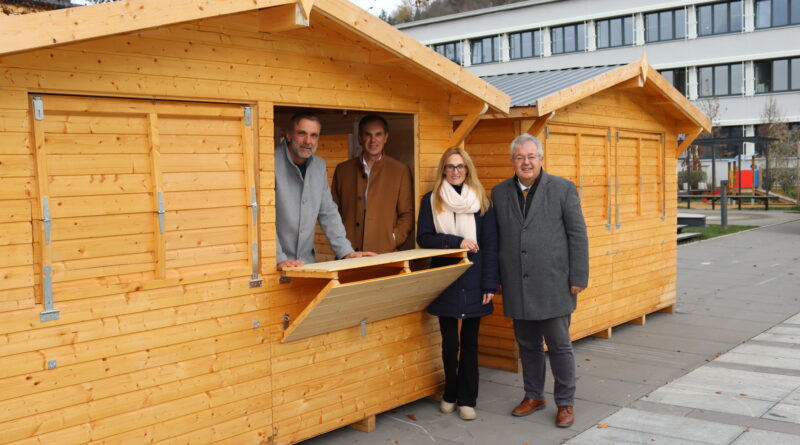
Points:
374	192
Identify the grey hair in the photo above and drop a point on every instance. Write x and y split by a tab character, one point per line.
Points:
523	139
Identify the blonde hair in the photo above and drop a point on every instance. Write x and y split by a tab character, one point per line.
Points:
471	180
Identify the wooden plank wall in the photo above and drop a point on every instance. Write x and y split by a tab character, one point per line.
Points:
198	359
633	266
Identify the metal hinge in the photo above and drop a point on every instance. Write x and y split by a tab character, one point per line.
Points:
46	219
254	280
248	116
160	212
286	319
363	327
608	135
38	108
618	137
547	132
49	312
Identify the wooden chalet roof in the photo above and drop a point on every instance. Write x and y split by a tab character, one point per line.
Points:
543	92
51	28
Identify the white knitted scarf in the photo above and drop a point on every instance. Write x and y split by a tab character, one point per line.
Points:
456	217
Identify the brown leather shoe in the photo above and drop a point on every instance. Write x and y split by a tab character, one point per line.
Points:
527	406
565	416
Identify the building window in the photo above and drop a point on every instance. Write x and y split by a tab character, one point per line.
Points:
451	50
773	13
677	77
665	25
485	50
720	80
719	18
774	76
525	44
568	38
614	32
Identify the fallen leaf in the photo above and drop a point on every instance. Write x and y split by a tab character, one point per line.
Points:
718	392
743	394
411	416
588	359
603	425
747	430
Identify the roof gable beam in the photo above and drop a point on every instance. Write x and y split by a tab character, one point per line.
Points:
282	18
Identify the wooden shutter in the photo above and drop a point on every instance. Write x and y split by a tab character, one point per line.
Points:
142	190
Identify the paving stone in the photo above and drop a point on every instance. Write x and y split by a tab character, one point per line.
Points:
674	426
782	334
709	400
760	360
784	412
793	398
667	341
628	371
761	437
617	436
610	391
756	385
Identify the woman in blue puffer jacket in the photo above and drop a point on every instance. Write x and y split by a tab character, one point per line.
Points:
458	213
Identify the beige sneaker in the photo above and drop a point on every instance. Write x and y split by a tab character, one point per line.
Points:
447	407
467	413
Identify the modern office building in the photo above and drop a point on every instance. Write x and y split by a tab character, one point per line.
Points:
734	54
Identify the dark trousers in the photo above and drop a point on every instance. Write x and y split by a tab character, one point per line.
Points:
555	332
460	373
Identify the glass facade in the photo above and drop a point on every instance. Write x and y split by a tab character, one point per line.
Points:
485	50
614	32
677	77
568	38
774	13
525	44
775	76
719	18
451	50
720	80
665	25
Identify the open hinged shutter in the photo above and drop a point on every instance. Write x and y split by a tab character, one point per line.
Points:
400	291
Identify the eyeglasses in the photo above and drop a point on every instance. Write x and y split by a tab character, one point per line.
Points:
452	168
530	158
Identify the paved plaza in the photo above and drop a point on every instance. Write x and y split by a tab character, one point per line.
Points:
723	369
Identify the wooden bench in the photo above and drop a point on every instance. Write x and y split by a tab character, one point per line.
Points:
738	198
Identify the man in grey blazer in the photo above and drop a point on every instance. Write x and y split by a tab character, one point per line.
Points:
544	264
303	197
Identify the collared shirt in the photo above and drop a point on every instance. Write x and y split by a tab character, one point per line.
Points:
367	171
525	194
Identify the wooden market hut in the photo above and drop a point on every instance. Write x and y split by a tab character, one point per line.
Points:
613	131
139	299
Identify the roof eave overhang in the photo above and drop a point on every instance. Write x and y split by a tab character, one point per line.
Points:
51	28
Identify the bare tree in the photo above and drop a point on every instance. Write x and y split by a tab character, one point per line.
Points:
784	168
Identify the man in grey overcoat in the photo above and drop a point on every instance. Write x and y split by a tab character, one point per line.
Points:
544	264
302	197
